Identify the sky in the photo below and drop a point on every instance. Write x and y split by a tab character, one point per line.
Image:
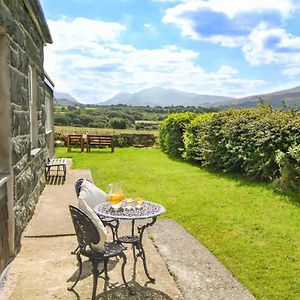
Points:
218	47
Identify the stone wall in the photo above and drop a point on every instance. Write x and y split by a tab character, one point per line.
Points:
25	48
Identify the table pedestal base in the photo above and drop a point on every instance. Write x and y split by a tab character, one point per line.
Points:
137	243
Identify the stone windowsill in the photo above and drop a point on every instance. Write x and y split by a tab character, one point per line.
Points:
35	151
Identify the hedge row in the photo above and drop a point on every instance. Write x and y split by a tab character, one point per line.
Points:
261	144
120	140
171	131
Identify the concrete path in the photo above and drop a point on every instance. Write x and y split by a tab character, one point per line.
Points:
197	272
44	268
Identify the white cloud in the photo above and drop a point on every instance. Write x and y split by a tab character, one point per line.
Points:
169	1
292	71
272	45
93	65
70	34
226	21
256	26
230	8
150	27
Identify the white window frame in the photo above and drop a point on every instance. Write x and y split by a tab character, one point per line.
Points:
48	110
32	106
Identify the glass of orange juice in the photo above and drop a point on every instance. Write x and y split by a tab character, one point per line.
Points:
115	198
138	201
115	194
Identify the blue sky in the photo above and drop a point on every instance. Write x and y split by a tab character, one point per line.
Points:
220	47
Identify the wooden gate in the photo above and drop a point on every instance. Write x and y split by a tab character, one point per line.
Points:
4	247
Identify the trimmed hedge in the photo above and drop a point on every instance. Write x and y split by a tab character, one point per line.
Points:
171	132
193	137
261	143
289	163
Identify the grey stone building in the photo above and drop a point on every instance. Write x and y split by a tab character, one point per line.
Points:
26	129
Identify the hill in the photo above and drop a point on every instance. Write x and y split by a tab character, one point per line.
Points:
157	96
65	99
291	98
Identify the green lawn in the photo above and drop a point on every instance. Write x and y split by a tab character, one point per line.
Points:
252	230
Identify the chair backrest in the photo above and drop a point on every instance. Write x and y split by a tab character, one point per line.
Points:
77	186
85	229
89	192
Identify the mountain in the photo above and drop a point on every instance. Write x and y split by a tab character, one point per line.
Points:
291	98
121	98
210	100
65	99
157	96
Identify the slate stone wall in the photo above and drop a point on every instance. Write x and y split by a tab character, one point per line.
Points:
25	48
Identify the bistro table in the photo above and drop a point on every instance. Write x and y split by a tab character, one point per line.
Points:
147	210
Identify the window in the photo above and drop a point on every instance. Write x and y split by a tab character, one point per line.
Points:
49	88
48	108
32	107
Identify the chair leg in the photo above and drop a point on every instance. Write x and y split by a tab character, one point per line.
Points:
95	277
133	252
75	251
80	270
105	269
123	256
65	171
47	172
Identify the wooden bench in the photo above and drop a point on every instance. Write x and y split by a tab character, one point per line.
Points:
75	140
144	140
96	140
56	163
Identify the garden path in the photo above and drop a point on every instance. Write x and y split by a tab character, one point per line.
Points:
44	267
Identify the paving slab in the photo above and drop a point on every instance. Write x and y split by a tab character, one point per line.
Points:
44	267
51	216
199	275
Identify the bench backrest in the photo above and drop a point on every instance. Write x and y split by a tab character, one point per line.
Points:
75	139
96	139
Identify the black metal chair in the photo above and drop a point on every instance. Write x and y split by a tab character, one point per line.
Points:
113	224
87	234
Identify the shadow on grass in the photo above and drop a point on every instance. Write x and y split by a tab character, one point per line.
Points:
93	151
291	197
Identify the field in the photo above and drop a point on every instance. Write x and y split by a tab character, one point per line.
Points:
252	230
116	116
86	130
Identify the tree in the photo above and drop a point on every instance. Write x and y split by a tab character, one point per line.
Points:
118	123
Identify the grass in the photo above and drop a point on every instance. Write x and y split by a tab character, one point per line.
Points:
252	230
87	130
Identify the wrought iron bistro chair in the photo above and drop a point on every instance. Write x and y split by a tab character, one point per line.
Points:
87	235
113	224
